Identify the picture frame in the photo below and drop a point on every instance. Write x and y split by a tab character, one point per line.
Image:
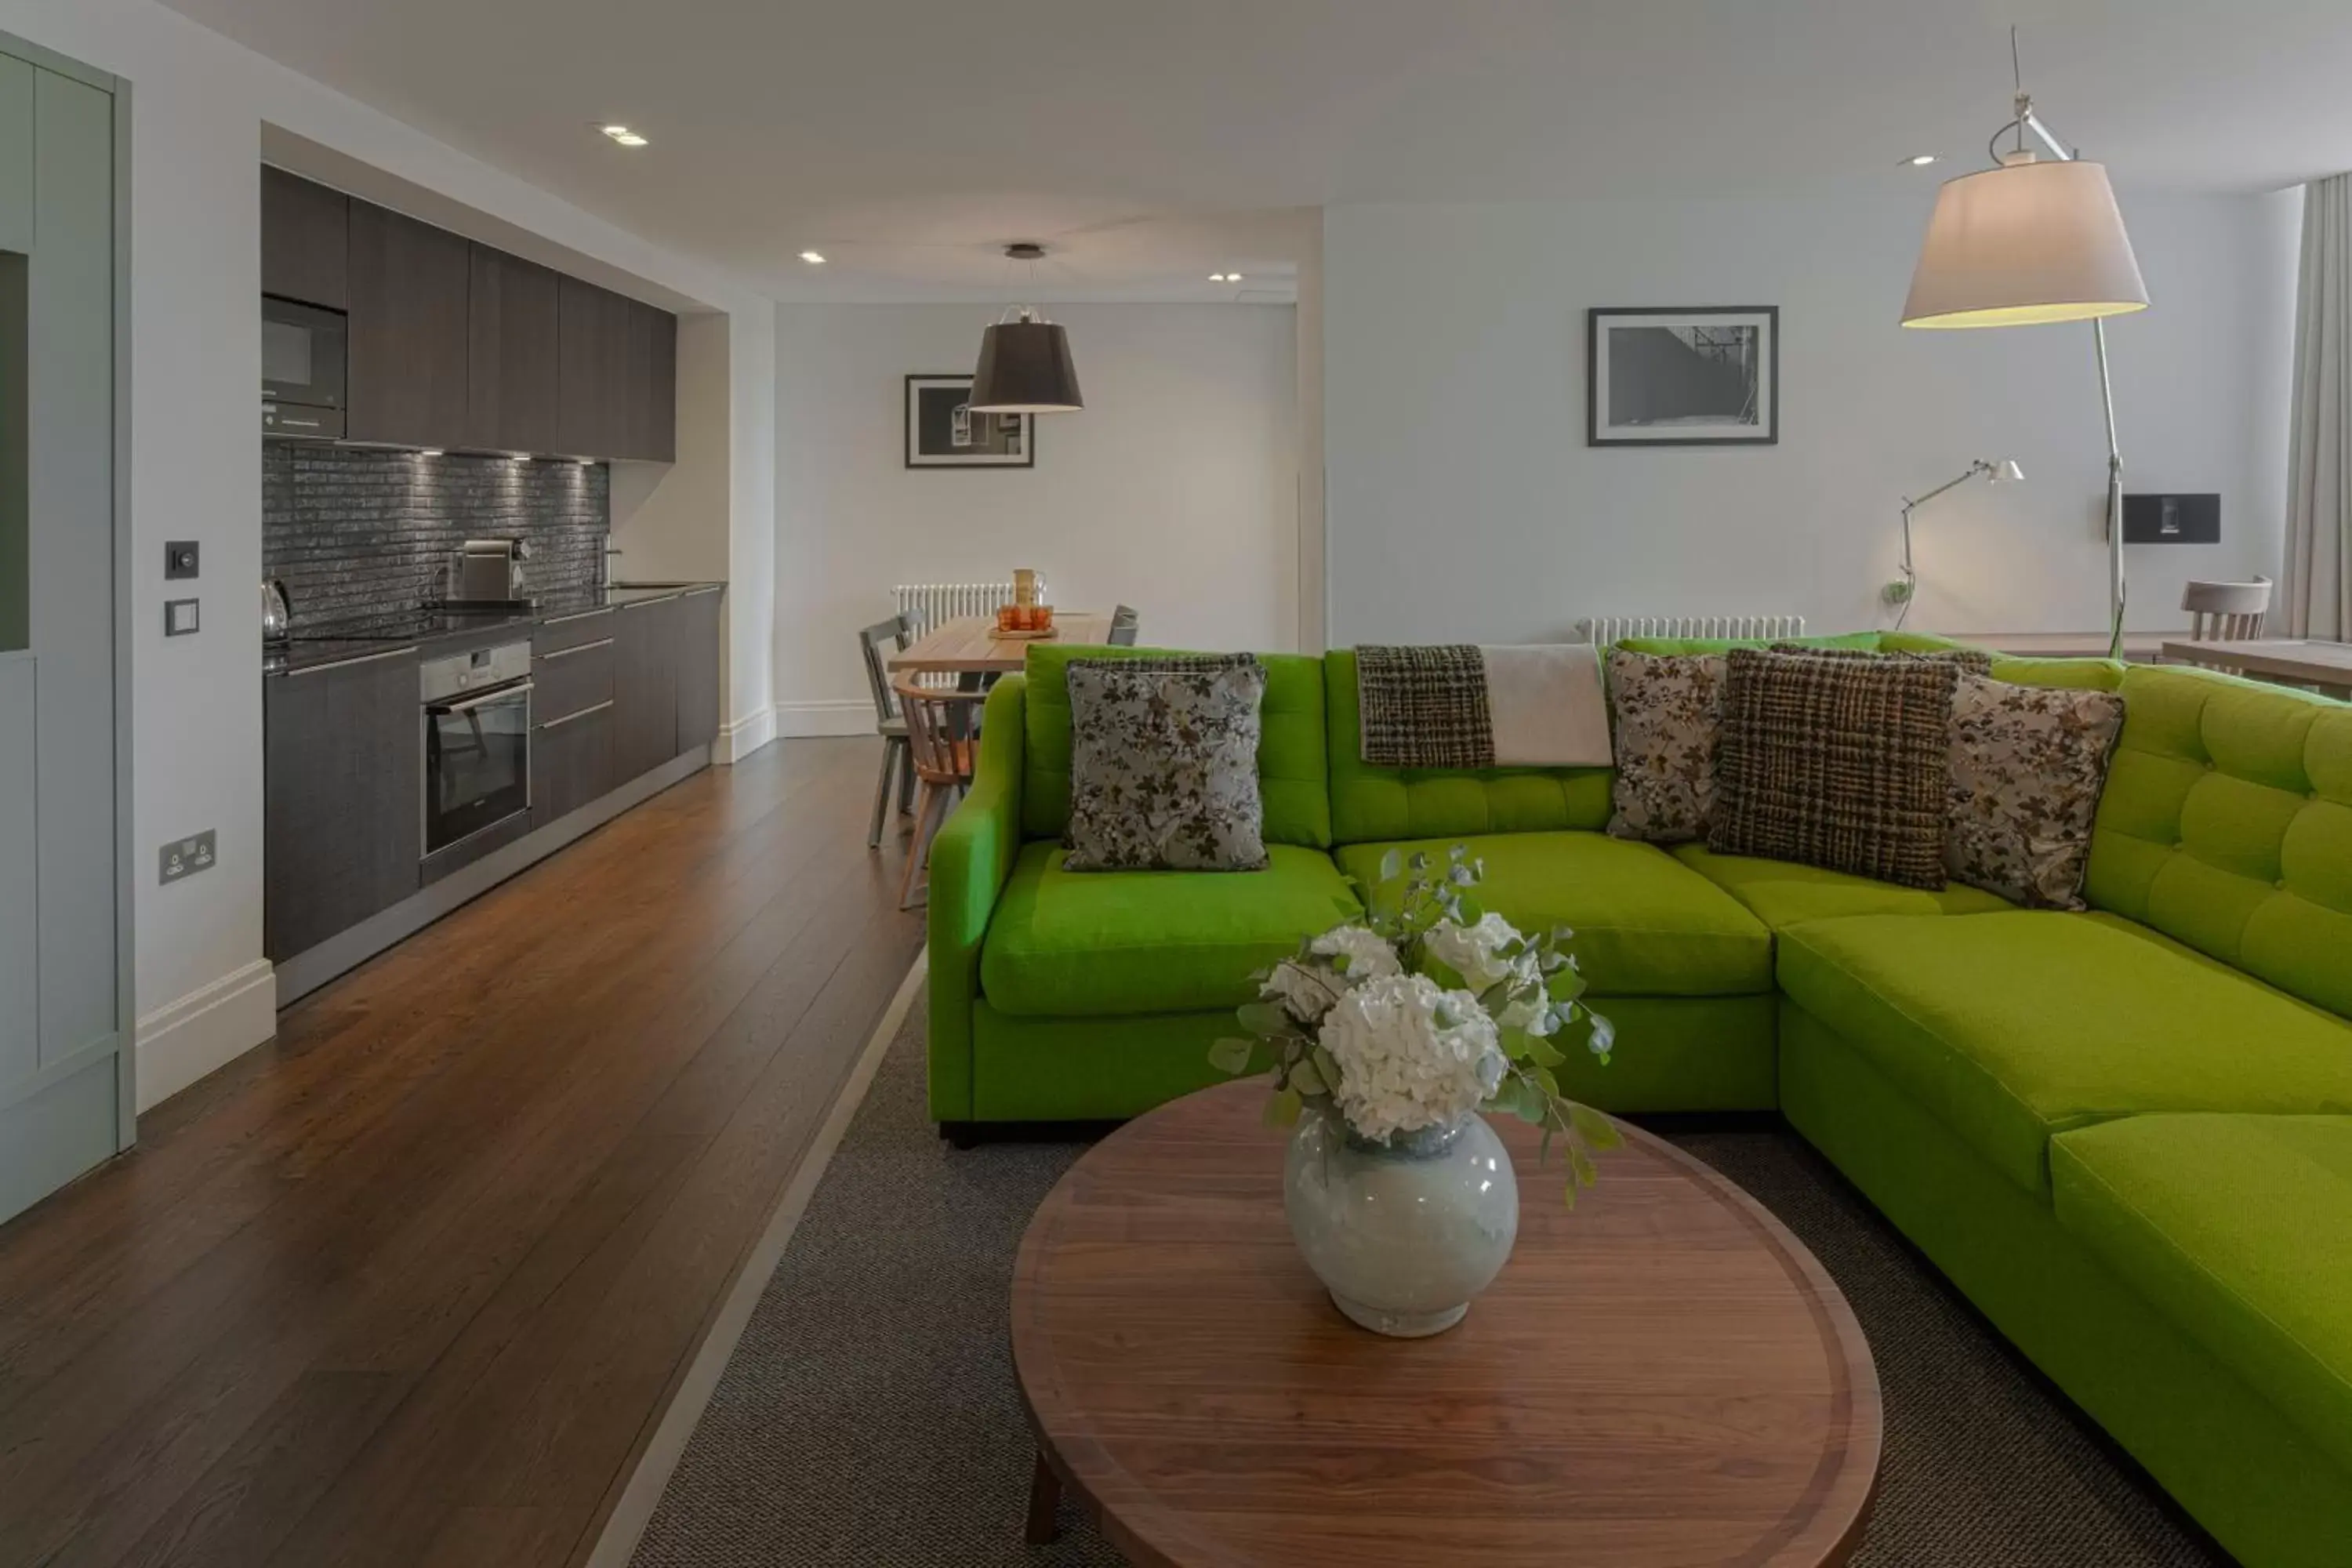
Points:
943	432
1683	377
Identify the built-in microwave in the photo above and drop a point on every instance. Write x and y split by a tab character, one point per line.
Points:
303	358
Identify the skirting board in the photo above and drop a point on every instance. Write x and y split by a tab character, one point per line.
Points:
847	716
744	737
207	1028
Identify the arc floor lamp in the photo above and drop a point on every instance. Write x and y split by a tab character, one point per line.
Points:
2028	242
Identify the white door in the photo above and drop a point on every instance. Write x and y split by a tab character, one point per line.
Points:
64	1064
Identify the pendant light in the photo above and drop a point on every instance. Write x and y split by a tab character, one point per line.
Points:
1025	360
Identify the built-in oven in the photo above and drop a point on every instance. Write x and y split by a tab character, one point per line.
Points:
304	361
476	751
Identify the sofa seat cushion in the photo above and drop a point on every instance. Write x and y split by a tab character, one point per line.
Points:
1092	944
2239	1229
2012	1029
1646	924
1782	893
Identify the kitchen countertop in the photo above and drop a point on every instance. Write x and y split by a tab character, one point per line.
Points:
456	631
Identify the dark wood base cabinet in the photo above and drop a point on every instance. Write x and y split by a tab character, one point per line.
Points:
616	695
344	776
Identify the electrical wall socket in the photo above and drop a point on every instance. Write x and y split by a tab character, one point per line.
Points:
186	857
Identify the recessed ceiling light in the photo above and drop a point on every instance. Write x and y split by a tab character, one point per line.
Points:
815	258
1921	159
1224	277
624	136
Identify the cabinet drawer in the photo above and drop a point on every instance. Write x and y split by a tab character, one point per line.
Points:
570	631
572	679
572	763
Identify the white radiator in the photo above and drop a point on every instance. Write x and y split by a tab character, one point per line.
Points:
1604	630
929	604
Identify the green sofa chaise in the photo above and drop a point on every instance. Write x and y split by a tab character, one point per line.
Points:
2126	1134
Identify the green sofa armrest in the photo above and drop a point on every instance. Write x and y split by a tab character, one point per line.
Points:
972	855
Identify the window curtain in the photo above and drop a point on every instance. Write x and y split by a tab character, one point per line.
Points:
2318	579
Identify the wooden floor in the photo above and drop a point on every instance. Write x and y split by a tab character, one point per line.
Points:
411	1284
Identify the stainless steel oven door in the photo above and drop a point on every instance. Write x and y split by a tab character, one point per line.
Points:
477	762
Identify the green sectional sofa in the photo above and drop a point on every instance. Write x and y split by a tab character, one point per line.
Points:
2126	1134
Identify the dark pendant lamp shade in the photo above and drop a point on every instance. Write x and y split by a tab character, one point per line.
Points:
1024	368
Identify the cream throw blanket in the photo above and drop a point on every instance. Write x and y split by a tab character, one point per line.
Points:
1548	706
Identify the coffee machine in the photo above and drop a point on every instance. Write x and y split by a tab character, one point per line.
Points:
488	572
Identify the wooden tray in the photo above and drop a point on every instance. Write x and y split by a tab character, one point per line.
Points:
1003	635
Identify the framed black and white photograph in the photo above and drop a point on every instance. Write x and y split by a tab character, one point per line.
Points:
1705	376
943	432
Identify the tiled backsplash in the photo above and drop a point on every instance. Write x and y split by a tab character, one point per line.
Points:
354	531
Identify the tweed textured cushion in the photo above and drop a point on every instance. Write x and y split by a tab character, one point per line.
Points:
1975	660
1424	706
1839	763
1163	765
1669	711
2028	764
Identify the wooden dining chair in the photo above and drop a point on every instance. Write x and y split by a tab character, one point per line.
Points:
2227	612
893	635
1124	624
942	741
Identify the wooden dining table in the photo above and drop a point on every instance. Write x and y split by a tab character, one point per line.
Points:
2298	661
970	646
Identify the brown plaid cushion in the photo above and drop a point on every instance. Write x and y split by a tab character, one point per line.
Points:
1975	660
1839	763
1425	706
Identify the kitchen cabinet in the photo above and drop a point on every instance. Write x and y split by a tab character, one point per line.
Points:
644	687
696	619
344	776
411	330
619	373
305	241
512	380
572	716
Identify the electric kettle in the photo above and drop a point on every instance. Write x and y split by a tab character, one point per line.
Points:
277	609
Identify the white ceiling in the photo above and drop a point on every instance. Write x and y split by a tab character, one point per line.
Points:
1151	143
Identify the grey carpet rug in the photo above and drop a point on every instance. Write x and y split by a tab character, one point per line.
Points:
868	1417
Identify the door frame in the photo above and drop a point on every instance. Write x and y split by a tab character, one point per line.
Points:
126	887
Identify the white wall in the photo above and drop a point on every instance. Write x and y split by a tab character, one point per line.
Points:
1463	502
1175	491
198	104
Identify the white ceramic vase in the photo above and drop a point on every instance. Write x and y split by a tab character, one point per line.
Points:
1402	1233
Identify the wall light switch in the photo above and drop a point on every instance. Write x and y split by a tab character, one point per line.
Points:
179	617
186	857
180	559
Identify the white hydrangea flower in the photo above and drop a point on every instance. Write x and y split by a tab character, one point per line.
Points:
1305	994
1474	952
1410	1054
1367	952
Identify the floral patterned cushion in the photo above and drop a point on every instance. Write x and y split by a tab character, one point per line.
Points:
2028	764
1668	710
1163	764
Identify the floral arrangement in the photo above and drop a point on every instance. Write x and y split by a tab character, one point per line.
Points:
1423	1011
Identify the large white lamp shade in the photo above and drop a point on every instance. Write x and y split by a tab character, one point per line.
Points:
2026	243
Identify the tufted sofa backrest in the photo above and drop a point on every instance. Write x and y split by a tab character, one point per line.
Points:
1290	771
2227	825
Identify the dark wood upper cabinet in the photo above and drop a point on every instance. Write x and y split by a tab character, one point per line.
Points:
652	401
411	332
305	241
513	379
619	369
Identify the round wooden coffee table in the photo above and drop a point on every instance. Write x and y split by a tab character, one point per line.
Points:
1663	1375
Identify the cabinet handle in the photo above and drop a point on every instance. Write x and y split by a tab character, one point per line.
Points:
347	663
583	647
559	723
